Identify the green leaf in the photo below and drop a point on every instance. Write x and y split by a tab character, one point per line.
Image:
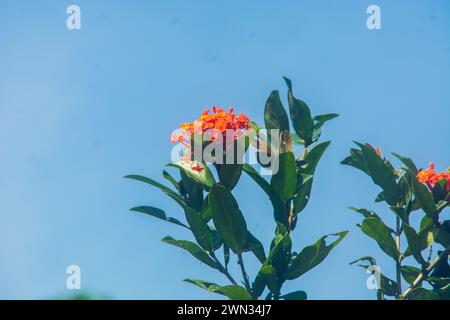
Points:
302	197
267	275
384	284
410	273
322	118
423	196
356	160
296	295
377	230
258	179
192	191
268	271
172	194
208	286
226	255
171	179
414	243
229	174
277	203
300	114
254	245
275	116
296	139
441	195
442	236
157	213
382	174
227	217
442	268
200	229
407	162
366	213
193	249
233	292
401	213
312	255
313	157
424	239
196	170
423	294
284	181
281	258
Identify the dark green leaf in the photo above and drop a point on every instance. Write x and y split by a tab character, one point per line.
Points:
410	274
366	213
312	255
192	191
284	181
356	160
200	229
300	114
322	118
313	156
209	286
424	197
171	179
401	213
196	170
407	162
277	202
384	284
296	295
254	245
234	292
414	243
275	116
423	294
227	217
424	239
229	174
157	213
382	174
267	275
172	194
377	230
193	249
226	254
442	269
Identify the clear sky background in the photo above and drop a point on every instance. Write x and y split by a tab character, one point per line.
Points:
80	109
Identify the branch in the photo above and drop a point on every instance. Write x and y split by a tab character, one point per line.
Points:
426	272
398	264
244	274
223	269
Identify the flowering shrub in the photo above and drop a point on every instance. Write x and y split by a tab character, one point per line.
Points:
406	190
212	213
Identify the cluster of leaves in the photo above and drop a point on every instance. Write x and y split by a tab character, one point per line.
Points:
213	216
404	194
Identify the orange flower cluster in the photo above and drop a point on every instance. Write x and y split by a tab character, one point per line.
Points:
214	122
430	177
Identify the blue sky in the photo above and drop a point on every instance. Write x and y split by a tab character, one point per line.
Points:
80	109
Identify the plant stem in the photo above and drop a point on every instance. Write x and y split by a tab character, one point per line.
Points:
398	265
426	272
223	269
244	274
